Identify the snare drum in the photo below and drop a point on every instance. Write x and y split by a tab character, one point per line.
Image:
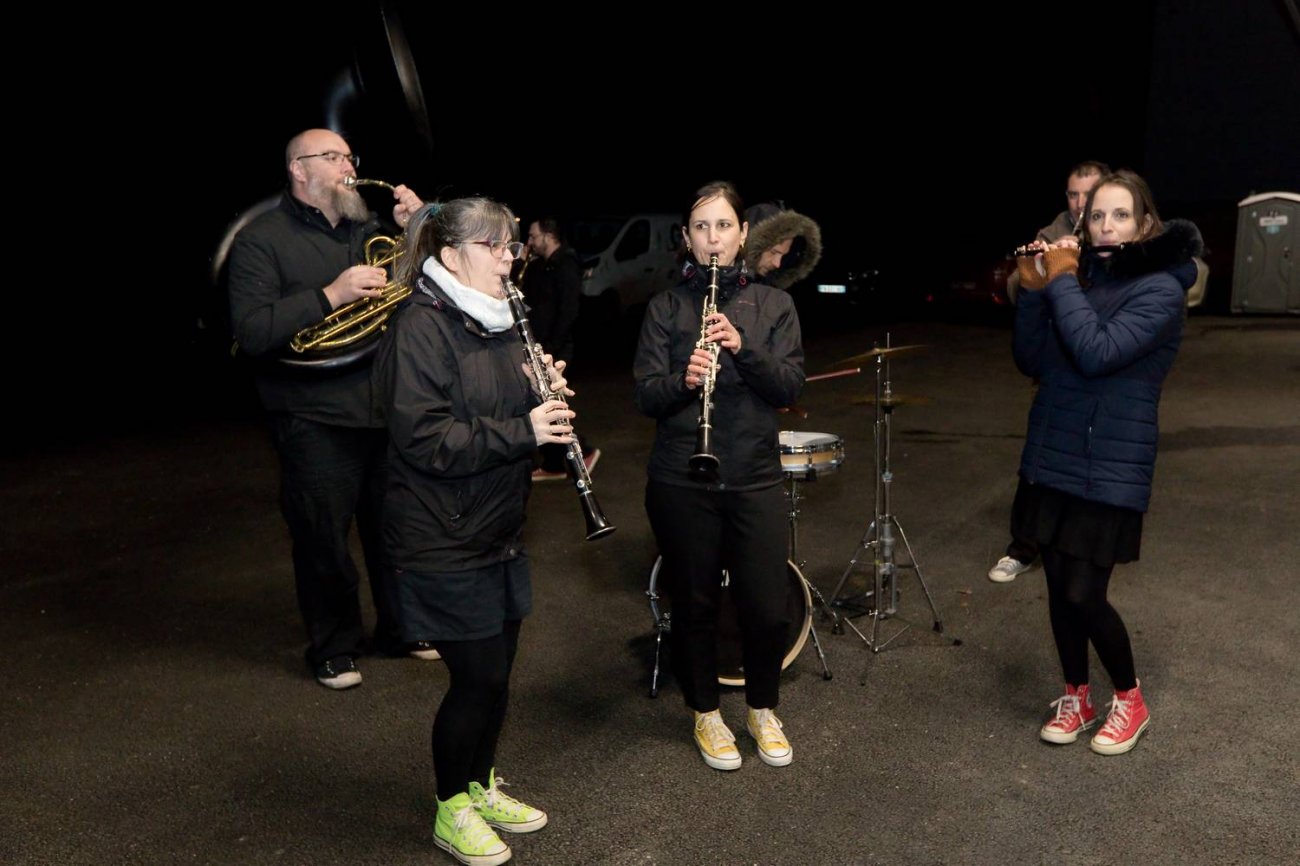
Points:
731	671
804	455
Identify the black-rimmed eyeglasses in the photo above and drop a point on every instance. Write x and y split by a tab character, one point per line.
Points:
499	248
333	157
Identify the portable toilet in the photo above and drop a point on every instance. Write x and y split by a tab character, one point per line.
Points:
1265	275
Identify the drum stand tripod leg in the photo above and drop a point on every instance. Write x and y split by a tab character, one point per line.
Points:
792	495
659	643
817	644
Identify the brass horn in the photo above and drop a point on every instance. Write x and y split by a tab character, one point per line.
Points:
355	321
325	343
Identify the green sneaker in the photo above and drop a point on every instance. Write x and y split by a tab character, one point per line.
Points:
460	832
502	811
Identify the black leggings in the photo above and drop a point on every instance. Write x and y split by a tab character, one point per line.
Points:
1076	595
469	720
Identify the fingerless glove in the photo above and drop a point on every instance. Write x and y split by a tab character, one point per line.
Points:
1030	278
1063	260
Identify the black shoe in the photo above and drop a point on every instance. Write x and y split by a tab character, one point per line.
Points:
424	650
339	673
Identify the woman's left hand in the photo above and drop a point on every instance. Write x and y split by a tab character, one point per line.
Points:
722	331
559	384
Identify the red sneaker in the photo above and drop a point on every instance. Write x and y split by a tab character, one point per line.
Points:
1074	713
1127	720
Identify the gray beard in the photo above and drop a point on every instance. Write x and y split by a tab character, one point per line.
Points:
350	204
345	202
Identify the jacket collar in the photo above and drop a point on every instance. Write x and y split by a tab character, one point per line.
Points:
1175	246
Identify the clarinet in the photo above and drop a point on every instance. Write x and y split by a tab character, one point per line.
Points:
597	524
703	463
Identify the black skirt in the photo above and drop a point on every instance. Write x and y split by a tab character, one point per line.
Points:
462	605
1092	531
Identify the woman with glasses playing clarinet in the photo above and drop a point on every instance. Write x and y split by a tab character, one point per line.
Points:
718	355
464	419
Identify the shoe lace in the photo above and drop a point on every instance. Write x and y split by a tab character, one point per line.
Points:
768	725
1118	718
471	830
715	731
1067	707
495	798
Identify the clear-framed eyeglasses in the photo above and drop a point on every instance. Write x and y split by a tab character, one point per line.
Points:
499	248
333	157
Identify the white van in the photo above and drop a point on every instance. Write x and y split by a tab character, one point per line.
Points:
639	261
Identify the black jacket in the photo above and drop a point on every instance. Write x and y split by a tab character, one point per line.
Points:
553	288
460	440
280	264
765	375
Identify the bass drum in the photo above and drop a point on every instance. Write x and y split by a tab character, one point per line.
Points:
731	670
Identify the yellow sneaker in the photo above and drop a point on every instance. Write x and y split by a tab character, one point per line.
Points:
773	747
716	742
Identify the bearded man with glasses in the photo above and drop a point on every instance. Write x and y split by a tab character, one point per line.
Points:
289	268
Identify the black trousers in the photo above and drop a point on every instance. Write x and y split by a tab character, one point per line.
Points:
330	475
699	534
1022	549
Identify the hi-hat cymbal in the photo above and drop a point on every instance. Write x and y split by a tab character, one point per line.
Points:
876	352
892	400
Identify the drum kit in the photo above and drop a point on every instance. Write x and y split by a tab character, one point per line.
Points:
806	456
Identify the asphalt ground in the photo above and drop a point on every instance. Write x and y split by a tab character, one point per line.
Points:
156	710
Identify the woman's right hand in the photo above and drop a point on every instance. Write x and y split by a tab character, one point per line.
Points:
697	368
1032	275
548	423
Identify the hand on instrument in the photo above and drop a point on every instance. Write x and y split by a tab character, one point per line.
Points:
549	425
358	281
722	331
407	204
1061	259
559	384
698	367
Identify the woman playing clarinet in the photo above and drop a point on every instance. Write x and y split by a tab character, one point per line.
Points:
723	508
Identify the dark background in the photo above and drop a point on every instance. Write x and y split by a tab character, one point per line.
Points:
925	141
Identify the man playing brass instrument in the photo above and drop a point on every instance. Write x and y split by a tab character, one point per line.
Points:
289	268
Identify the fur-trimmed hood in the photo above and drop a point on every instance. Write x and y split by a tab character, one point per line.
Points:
769	224
1175	246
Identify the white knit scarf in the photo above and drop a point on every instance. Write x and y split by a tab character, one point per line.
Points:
492	313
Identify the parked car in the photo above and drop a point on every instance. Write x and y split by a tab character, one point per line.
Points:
626	260
638	259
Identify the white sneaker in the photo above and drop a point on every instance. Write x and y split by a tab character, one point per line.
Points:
1007	568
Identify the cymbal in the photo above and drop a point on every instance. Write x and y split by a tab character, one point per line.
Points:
893	400
876	352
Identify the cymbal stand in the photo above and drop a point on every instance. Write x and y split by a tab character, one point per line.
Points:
792	493
881	601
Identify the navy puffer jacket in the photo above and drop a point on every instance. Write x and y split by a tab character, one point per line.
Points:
1101	355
